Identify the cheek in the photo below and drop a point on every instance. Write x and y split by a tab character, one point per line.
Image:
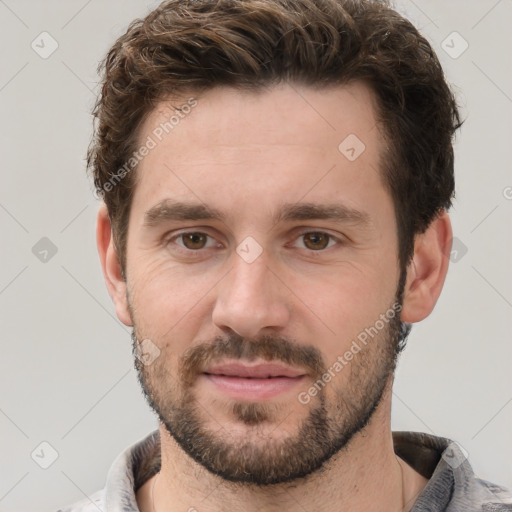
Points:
166	297
156	281
339	305
350	290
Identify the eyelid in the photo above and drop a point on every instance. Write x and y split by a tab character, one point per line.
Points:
304	231
176	235
298	233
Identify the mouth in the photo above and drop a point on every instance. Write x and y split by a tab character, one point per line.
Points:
255	371
259	381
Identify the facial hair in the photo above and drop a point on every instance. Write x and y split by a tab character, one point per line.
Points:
266	459
328	427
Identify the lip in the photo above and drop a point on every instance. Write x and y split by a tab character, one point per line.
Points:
256	382
255	371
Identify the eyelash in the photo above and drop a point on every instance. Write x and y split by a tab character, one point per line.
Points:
190	252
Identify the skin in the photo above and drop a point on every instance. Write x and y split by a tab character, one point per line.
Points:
246	154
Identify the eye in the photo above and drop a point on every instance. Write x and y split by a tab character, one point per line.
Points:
317	240
193	240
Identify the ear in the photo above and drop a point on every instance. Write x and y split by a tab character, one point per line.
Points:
427	271
116	284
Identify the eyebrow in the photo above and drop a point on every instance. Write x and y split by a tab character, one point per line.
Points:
169	210
312	211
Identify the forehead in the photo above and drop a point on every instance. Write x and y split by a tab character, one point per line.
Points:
266	143
277	114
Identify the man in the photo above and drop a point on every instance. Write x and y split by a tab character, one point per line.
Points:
276	177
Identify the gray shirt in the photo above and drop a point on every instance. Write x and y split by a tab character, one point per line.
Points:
452	486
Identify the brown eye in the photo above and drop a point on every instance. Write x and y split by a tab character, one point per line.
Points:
194	240
315	241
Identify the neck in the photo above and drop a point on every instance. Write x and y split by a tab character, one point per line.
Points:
366	475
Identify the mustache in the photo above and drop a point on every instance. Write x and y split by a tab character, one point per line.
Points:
270	348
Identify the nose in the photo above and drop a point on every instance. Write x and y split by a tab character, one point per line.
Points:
251	300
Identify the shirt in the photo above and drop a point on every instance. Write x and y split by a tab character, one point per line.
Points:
452	485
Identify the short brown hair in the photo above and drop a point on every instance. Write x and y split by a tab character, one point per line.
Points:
196	45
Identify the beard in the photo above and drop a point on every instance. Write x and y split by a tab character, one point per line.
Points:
267	454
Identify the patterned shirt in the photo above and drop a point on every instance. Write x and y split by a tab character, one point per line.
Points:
452	485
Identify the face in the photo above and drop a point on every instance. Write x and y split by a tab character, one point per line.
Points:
262	277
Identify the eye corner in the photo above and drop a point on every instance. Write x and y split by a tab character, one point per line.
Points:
335	239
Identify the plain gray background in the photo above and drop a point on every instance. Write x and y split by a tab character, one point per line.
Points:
67	375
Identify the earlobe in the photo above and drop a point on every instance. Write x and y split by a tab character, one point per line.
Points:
116	284
427	271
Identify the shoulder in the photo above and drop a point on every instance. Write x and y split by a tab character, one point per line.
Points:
499	498
452	484
473	493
